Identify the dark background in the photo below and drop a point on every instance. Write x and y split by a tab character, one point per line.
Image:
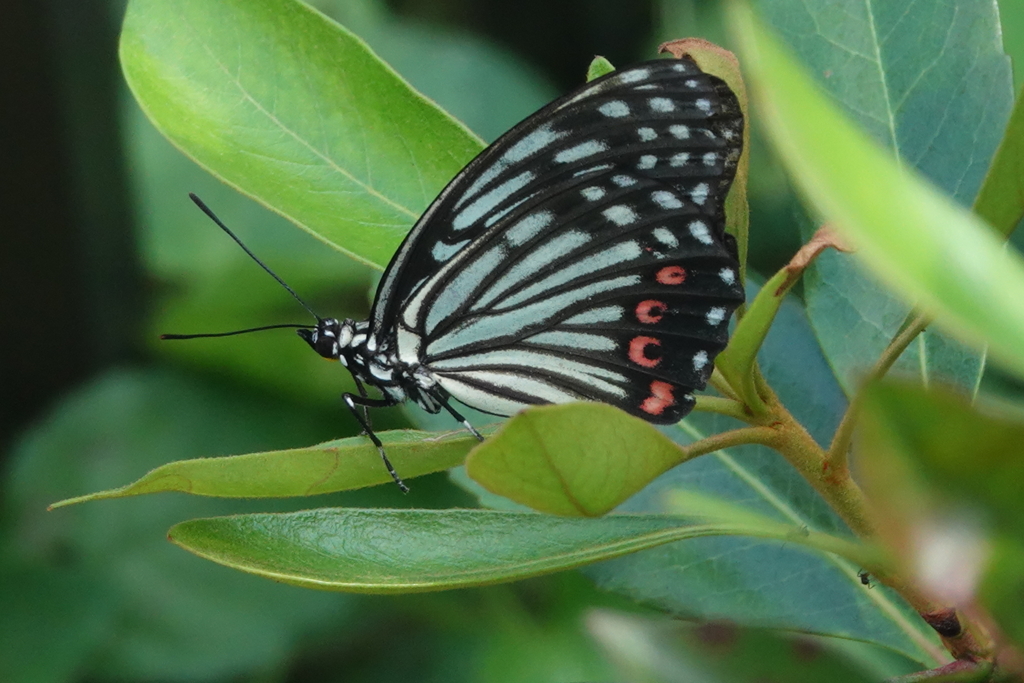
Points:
97	241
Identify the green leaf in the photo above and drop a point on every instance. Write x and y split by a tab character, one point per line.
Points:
162	615
296	112
243	297
960	275
485	86
579	459
937	465
211	285
207	284
662	651
1011	16
930	82
723	512
957	447
1001	199
599	66
736	362
743	579
1003	583
401	551
753	582
340	465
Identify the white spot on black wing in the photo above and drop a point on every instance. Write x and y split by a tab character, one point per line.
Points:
666	200
646	134
715	316
634	75
605	314
528	228
620	214
679	159
614	109
479	207
581	151
666	237
662	104
699	230
699	194
679	131
531	144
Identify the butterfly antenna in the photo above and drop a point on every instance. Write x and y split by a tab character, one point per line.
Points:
199	202
234	332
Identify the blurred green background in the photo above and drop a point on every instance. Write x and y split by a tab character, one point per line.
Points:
101	250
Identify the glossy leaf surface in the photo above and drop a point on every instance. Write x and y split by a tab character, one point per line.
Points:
576	460
401	551
931	83
299	114
340	465
960	274
1001	198
747	580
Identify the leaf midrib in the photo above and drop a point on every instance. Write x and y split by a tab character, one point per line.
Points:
330	163
885	605
886	95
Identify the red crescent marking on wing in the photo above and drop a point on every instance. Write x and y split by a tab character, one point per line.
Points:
650	311
637	346
671	275
661	397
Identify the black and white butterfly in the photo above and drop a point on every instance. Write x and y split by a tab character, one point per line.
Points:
582	256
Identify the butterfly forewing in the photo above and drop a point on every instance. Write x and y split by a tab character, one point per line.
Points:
583	255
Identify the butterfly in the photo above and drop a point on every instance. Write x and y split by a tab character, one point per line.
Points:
580	257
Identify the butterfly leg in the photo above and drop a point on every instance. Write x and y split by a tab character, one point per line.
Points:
458	416
354	404
367	423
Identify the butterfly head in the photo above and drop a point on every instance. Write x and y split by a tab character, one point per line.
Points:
331	338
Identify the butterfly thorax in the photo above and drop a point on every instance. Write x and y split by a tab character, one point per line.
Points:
372	361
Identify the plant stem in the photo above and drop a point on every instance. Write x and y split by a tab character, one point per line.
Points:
834	483
723	406
959	671
721	384
840	446
735	437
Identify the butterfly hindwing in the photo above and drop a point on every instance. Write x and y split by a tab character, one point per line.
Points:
617	295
